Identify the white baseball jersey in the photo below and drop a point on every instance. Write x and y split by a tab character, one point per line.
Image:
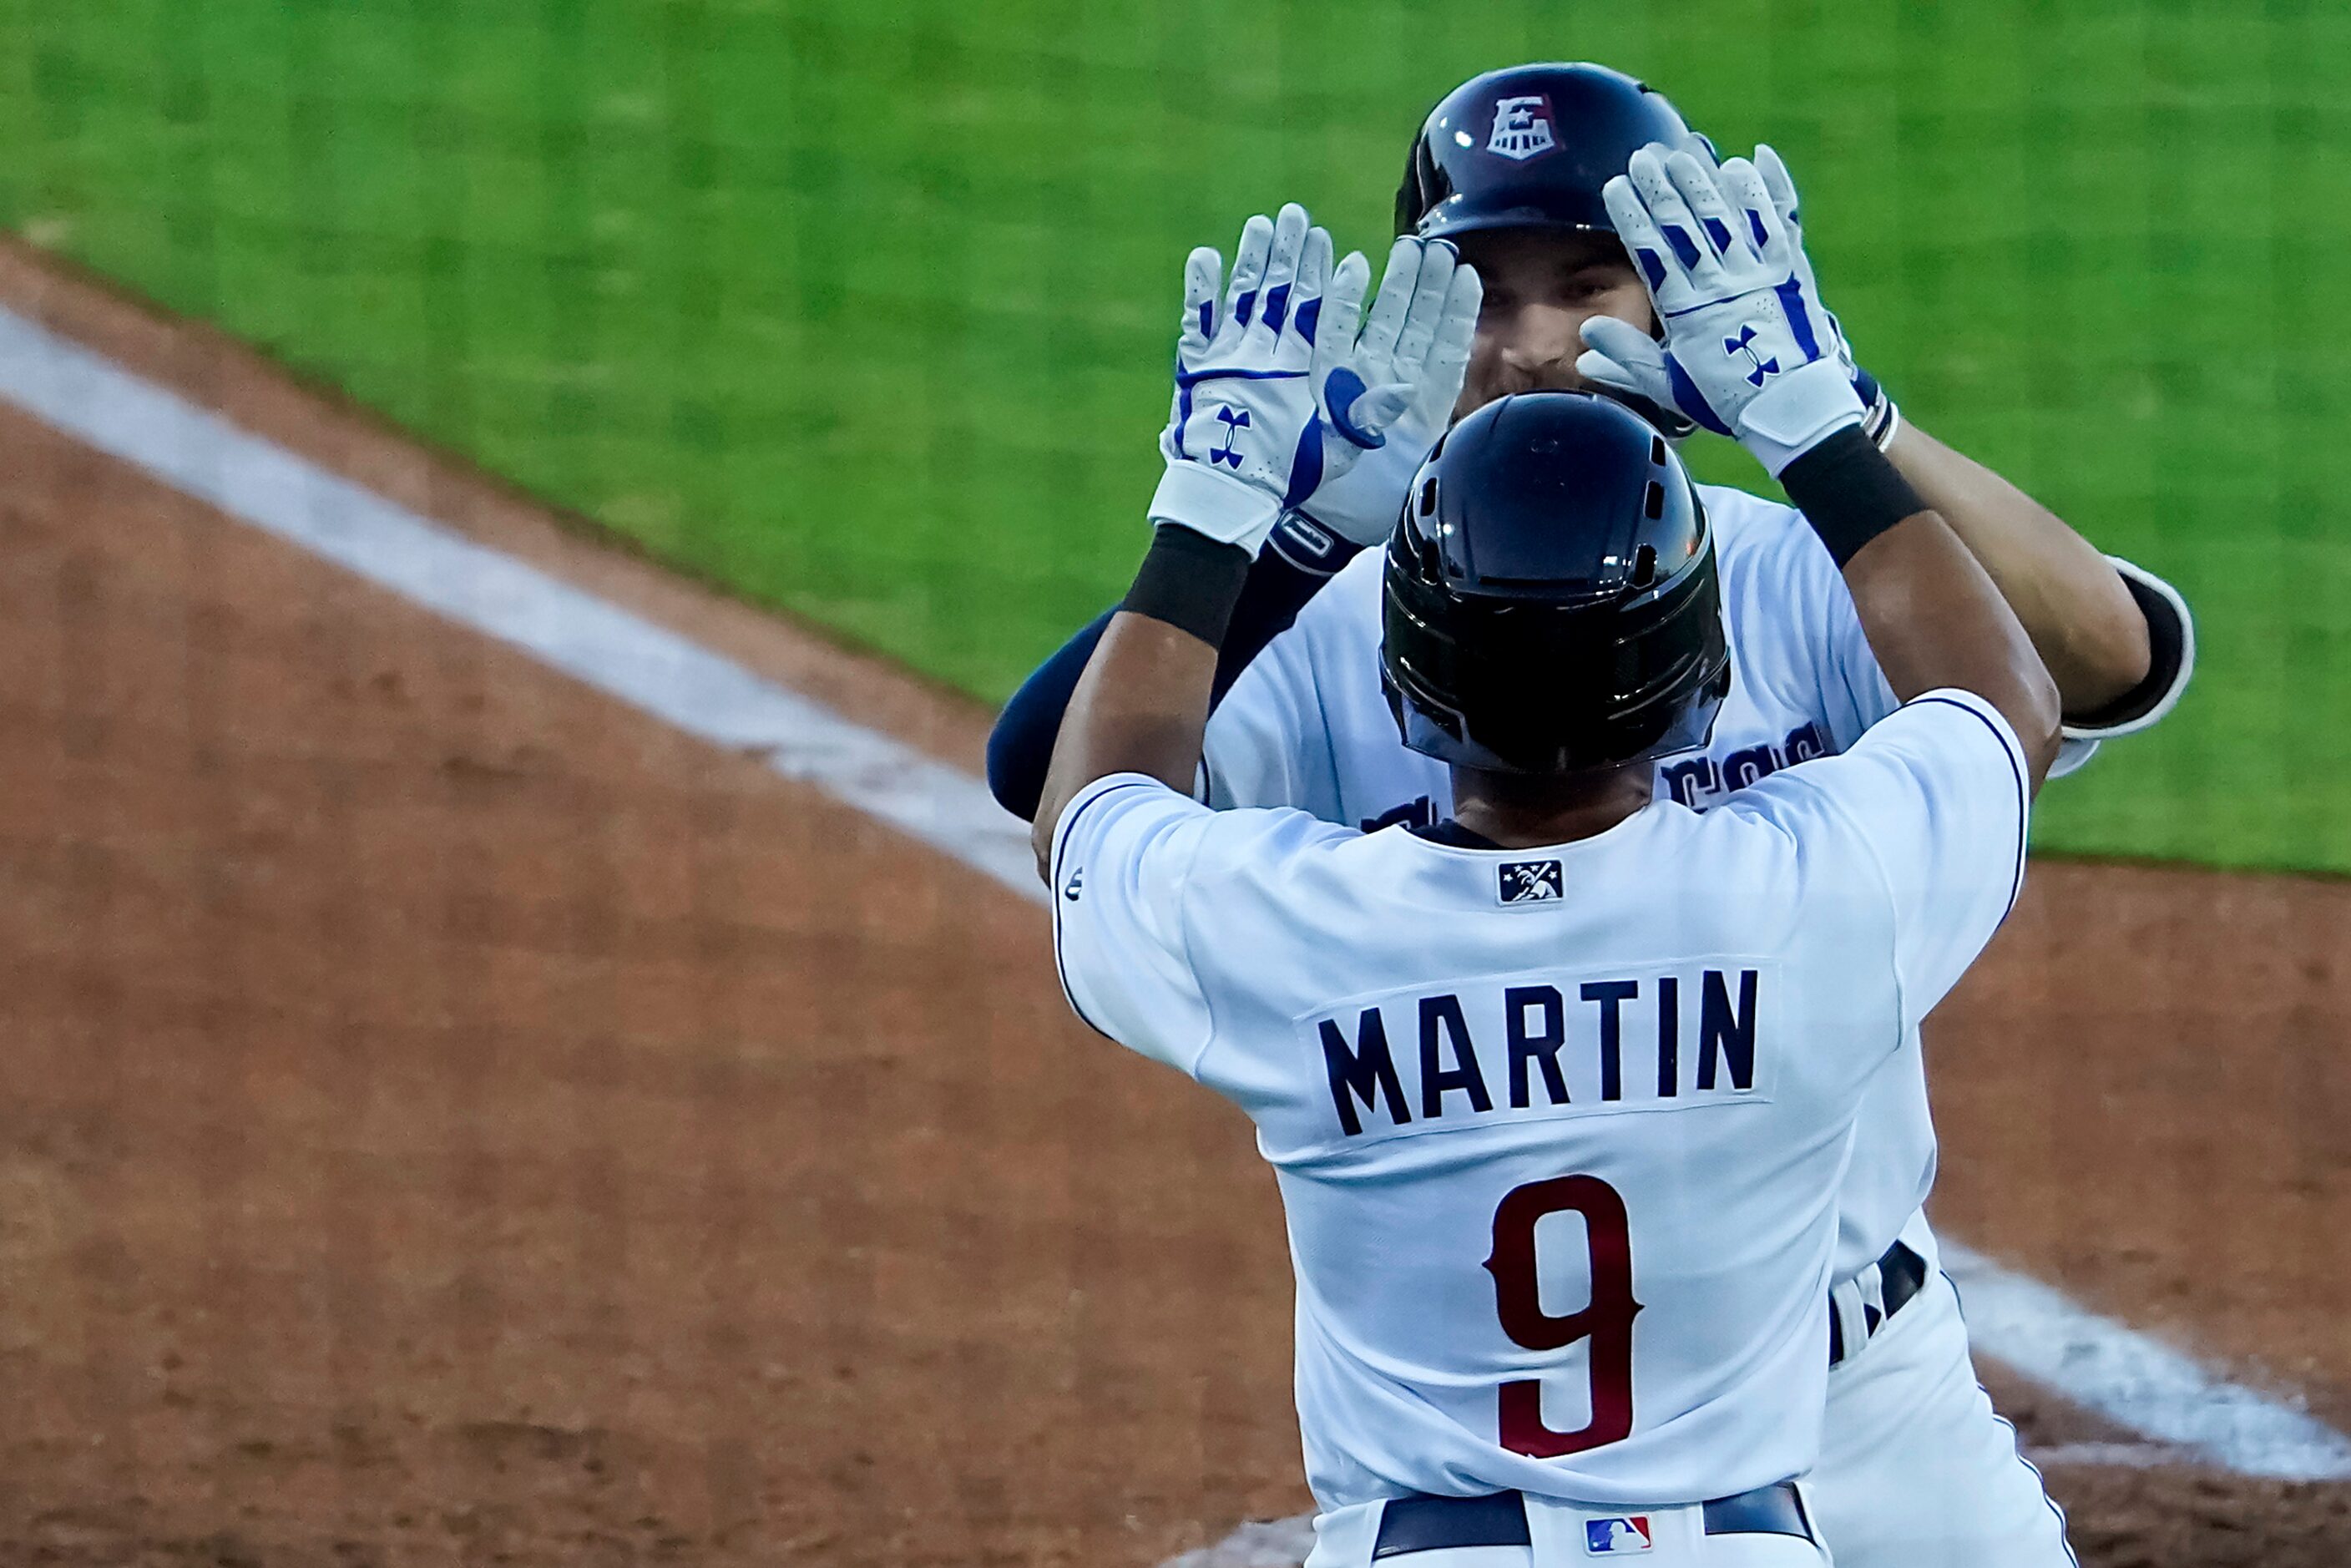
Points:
1559	1131
1307	726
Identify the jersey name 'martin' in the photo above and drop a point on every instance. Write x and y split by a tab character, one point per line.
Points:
1541	1045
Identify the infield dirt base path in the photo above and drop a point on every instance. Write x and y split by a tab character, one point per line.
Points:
444	1116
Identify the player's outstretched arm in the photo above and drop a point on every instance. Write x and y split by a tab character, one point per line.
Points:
1271	399
1933	615
1748	354
2077	608
1280	584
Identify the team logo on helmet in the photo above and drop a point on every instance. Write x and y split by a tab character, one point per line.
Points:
1522	128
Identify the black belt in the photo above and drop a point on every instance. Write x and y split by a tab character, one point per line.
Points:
1441	1523
1901	1275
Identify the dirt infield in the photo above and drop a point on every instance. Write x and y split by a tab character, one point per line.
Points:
444	1116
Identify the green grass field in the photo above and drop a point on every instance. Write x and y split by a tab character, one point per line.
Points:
865	309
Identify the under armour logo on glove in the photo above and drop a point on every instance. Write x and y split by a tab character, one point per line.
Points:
1235	421
1758	367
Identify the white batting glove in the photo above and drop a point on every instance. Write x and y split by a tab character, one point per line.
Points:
1782	190
1880	418
1270	399
1422	325
1744	352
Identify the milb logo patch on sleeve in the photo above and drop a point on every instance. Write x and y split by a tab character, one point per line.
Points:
1528	882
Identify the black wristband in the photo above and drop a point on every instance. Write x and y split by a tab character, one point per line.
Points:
1850	492
1190	582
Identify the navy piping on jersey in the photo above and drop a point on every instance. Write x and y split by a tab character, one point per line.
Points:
1062	833
2023	798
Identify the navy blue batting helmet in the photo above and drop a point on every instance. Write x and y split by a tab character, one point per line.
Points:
1549	603
1528	147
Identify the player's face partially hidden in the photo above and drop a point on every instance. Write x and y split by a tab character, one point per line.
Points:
1540	285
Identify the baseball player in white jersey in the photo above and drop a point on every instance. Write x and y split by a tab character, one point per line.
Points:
1916	1469
1559	1090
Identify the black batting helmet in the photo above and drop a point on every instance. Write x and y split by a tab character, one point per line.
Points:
1550	602
1528	147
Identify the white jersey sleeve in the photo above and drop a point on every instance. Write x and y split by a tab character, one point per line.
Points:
1793	617
1936	796
1129	857
1123	854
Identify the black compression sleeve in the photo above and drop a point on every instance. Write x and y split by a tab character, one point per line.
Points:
1850	492
1190	582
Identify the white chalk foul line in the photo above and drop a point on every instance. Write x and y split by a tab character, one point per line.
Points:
2141	1385
625	657
2135	1380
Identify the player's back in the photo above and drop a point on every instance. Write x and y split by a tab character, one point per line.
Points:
1602	1096
1558	1131
1308	724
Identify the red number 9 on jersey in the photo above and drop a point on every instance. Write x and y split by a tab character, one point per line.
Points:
1606	1319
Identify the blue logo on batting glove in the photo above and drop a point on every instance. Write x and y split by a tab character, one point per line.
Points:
1235	421
1758	367
1341	393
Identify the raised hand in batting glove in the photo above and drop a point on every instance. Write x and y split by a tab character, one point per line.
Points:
1271	395
1748	350
1420	330
1880	418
